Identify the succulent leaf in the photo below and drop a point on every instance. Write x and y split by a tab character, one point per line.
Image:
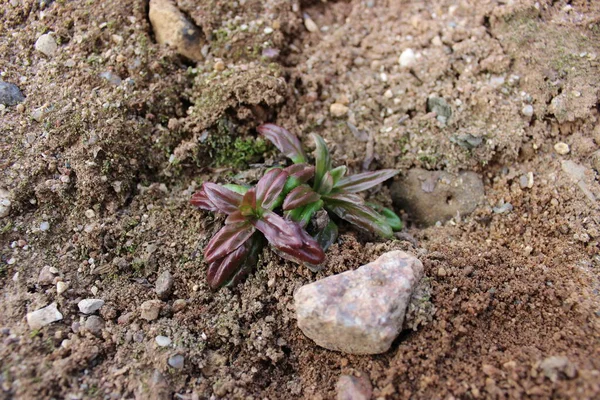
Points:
200	200
358	214
228	239
299	197
226	201
366	180
285	141
269	187
322	159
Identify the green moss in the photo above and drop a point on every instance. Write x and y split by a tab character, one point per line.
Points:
227	150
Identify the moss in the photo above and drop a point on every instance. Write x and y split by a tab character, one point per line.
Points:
227	150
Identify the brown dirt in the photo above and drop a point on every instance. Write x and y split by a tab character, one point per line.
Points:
510	290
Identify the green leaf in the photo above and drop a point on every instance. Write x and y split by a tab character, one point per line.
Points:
390	216
338	173
326	184
322	159
237	188
327	236
358	214
302	215
299	197
366	180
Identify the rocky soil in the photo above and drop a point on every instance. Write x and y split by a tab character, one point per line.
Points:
490	110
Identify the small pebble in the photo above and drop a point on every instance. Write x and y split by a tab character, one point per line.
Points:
309	24
219	66
46	45
338	110
46	276
150	309
442	272
10	94
94	324
44	226
268	30
176	361
90	214
89	306
562	148
527	110
179	305
164	285
44	316
162	341
61	287
408	58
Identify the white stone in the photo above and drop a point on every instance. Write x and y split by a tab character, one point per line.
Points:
44	316
338	110
407	58
562	148
89	306
46	45
162	341
359	311
90	213
61	287
44	226
527	110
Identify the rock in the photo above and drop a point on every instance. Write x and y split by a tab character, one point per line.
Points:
44	226
44	316
150	309
440	107
408	58
94	325
527	111
176	361
112	78
338	110
10	94
562	148
61	287
431	196
219	66
46	45
179	305
164	285
552	366
502	208
162	341
46	277
580	175
354	388
359	311
309	24
173	29
5	203
89	306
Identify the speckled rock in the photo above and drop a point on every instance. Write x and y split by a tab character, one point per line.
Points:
432	196
150	309
94	325
354	388
44	316
360	311
172	28
10	94
164	285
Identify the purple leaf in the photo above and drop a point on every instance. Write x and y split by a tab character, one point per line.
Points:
299	197
358	214
309	252
235	218
227	201
248	205
269	188
278	231
220	270
285	141
200	200
229	238
366	180
301	173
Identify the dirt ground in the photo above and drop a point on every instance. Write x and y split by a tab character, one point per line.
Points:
116	124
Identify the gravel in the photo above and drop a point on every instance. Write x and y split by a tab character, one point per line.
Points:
408	58
162	341
44	316
149	309
176	361
164	285
89	306
94	325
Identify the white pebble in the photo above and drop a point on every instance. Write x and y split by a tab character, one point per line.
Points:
61	287
46	45
44	226
562	148
162	341
89	306
268	30
44	316
90	213
527	110
407	58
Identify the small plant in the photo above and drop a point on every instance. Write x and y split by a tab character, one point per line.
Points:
300	192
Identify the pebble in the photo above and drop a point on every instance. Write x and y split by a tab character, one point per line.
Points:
164	285
179	305
46	276
162	341
111	77
527	110
408	58
44	226
94	325
172	28
338	110
150	309
354	388
5	203
219	66
176	361
89	306
44	316
359	311
503	208
46	45
562	148
10	94
309	24
526	180
61	287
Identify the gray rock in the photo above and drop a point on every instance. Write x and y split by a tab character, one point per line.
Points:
46	277
360	311
440	107
432	196
354	388
111	77
90	306
176	361
172	28
44	316
46	45
94	325
149	309
164	285
10	94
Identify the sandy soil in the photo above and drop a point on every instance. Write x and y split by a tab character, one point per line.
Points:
510	290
